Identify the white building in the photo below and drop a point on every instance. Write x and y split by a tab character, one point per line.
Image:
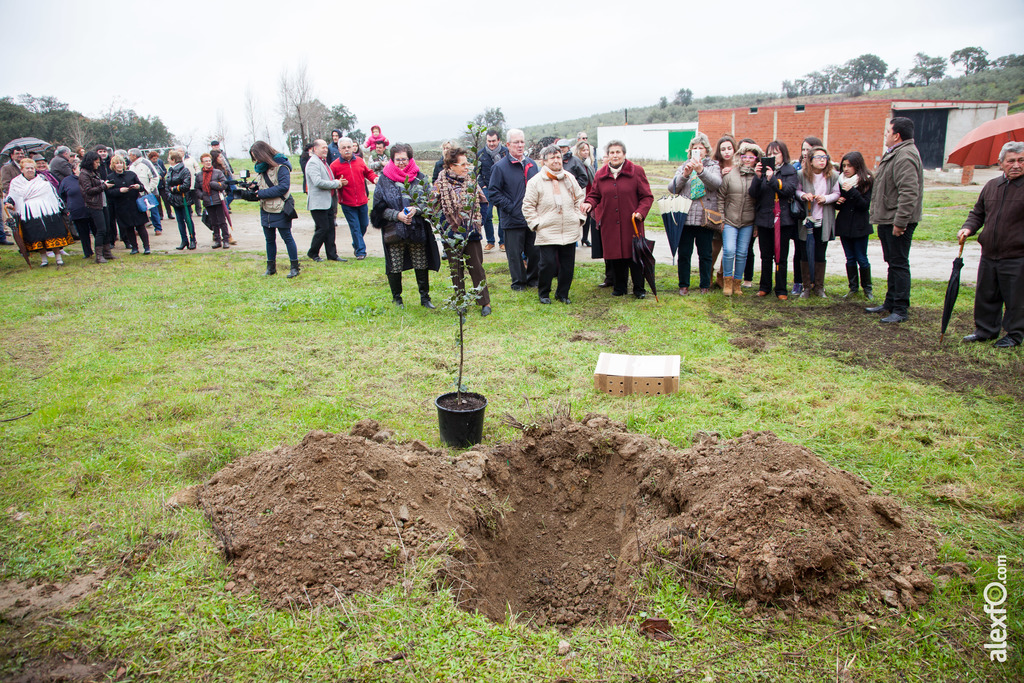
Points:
653	141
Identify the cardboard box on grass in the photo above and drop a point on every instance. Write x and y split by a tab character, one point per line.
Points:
620	375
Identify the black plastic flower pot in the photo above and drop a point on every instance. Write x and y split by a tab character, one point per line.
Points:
461	424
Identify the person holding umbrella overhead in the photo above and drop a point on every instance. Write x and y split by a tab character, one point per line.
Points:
620	197
698	179
999	294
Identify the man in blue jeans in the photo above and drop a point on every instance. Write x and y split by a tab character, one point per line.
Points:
493	153
353	173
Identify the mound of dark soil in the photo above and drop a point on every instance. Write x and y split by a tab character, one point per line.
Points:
558	523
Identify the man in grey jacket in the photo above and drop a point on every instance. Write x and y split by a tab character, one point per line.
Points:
60	165
322	202
896	205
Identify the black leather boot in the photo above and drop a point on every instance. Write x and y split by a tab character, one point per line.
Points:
295	269
395	282
423	281
191	241
271	268
865	282
853	279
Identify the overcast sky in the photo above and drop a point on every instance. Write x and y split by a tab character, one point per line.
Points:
421	69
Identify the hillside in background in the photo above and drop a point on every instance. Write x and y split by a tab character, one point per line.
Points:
1005	84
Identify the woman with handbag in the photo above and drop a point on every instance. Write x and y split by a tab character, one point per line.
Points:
277	208
820	190
698	179
179	185
123	191
460	227
409	242
211	183
774	189
42	222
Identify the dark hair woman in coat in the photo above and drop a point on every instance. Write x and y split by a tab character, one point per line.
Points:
274	179
853	226
773	189
124	188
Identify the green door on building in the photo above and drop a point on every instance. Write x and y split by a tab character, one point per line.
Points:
678	143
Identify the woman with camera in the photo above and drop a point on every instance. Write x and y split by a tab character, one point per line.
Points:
408	239
274	181
773	189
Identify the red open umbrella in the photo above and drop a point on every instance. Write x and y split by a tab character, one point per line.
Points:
981	146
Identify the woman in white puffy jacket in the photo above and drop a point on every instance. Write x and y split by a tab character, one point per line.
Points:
551	208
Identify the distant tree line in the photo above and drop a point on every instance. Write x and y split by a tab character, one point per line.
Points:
870	72
51	120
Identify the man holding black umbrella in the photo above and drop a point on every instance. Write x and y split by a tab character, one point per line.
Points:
999	295
896	206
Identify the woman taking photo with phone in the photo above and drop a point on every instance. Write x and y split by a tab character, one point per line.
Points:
698	179
738	211
773	189
820	191
852	223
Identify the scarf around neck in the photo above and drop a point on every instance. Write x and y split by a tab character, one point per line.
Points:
207	177
398	175
848	183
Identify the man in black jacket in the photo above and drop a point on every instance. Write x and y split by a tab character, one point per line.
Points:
490	155
507	189
1000	208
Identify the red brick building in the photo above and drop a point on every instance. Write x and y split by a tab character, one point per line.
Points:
856	125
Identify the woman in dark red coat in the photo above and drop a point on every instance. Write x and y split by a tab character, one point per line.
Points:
619	195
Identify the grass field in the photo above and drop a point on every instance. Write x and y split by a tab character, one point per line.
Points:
125	383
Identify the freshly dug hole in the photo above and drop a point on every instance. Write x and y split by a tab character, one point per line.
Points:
556	524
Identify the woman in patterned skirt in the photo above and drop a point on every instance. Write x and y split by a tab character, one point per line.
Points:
43	227
408	239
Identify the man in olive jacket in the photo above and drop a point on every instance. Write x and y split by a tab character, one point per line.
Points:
896	204
1000	208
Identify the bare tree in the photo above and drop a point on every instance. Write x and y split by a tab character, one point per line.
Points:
296	103
77	132
252	116
220	130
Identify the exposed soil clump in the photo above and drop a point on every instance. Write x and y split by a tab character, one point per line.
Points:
557	524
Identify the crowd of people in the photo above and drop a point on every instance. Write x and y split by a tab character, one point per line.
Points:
738	194
100	195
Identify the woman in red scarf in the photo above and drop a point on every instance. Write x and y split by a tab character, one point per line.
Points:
211	182
408	239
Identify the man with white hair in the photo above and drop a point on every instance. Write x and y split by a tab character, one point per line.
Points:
150	179
507	190
60	165
999	294
353	173
322	202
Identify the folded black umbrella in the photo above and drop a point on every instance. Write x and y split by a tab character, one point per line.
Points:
952	290
643	255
